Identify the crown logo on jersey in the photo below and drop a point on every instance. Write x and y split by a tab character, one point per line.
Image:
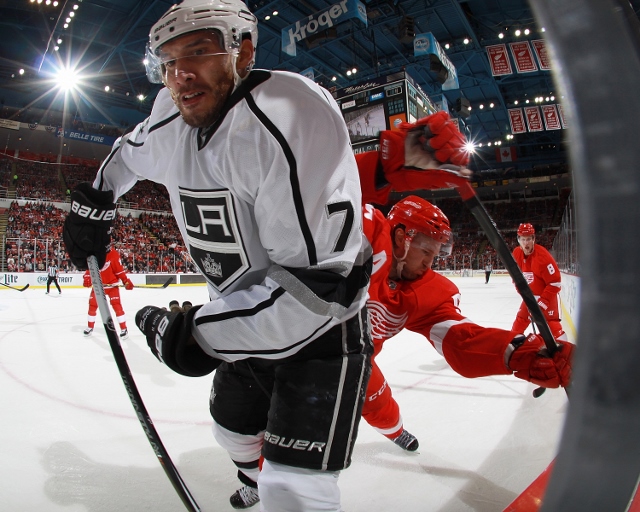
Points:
211	267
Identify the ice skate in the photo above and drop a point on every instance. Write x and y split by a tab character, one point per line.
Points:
88	331
244	497
407	441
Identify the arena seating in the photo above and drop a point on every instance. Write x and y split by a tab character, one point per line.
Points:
149	240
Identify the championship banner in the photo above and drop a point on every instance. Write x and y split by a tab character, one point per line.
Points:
561	113
516	118
523	57
424	44
534	121
499	60
11	125
551	117
540	48
320	21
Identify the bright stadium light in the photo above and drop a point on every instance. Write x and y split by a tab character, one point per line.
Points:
67	79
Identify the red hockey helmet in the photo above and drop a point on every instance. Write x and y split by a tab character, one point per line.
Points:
418	215
526	229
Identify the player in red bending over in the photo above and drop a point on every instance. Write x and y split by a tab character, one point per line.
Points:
405	293
111	273
543	276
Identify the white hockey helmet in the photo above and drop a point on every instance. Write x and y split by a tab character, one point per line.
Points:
231	18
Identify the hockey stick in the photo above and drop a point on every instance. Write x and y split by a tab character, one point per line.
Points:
16	289
159	286
155	286
132	391
538	392
472	201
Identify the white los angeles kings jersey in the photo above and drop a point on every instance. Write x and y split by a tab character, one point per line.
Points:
268	202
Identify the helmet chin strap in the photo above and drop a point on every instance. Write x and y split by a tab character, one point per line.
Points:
400	263
237	79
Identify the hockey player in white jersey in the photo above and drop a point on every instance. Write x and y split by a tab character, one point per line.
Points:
265	189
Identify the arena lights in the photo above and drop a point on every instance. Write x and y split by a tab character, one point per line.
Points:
67	79
52	3
456	44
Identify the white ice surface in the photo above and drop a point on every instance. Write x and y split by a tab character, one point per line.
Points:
70	441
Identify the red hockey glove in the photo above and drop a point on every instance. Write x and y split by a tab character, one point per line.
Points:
128	285
86	282
530	361
427	144
169	338
435	144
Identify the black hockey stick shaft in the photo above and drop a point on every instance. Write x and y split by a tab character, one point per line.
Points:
16	289
132	391
472	201
538	392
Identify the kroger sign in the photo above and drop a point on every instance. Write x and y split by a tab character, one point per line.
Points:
321	20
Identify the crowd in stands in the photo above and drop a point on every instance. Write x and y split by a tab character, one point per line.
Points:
34	237
151	242
472	250
147	244
39	181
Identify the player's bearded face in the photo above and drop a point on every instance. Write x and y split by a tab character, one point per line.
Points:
199	75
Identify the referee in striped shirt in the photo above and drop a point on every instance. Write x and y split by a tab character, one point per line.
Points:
52	277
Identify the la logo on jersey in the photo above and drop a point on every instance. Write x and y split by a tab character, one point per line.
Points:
213	235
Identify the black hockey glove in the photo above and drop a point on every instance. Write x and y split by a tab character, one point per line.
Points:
87	227
169	338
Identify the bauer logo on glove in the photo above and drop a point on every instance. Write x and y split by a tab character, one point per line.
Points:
169	338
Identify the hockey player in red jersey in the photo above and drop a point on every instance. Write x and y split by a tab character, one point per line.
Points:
404	293
543	276
111	273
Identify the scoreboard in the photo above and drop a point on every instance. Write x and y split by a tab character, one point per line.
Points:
381	104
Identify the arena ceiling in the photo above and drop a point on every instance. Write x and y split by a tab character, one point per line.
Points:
108	37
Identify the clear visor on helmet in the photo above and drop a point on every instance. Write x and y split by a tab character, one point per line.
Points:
157	64
426	243
153	66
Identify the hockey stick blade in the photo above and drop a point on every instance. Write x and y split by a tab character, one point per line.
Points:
157	286
16	289
538	392
472	201
132	390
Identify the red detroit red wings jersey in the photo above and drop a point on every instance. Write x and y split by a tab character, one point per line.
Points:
428	306
112	272
541	272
